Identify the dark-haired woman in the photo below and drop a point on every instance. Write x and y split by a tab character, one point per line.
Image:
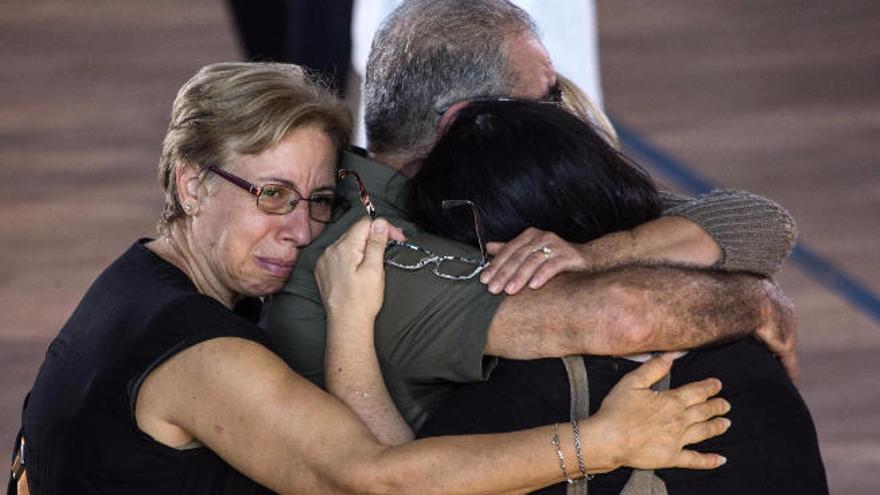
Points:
537	168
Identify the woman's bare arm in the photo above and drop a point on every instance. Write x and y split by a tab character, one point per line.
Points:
724	229
351	367
245	404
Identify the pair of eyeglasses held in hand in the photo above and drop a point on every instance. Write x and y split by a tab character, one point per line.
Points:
406	256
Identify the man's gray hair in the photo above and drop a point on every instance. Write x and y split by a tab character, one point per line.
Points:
429	54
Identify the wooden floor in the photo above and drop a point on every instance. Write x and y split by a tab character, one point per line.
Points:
781	98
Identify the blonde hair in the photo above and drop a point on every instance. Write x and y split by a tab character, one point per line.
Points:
576	101
230	109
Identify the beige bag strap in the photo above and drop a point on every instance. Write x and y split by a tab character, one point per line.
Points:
641	481
579	390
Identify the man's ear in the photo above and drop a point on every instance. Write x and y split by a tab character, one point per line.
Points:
449	116
189	191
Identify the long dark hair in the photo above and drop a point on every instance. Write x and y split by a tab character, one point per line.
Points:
529	164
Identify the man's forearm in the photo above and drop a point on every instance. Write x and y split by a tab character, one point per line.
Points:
667	240
627	310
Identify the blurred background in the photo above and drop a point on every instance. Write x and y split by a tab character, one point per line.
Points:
780	98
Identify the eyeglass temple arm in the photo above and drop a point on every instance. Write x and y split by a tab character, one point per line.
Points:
238	181
478	224
362	191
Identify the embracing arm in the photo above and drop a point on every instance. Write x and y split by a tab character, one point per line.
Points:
725	229
286	434
350	278
753	233
628	310
283	432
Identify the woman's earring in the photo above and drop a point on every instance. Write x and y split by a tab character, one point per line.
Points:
188	207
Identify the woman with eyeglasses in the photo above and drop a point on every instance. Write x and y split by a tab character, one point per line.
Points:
540	169
161	382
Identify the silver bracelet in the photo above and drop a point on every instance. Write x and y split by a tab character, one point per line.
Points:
577	449
559	453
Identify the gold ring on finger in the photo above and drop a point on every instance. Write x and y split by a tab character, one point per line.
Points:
546	251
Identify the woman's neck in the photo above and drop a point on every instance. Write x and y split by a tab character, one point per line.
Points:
176	247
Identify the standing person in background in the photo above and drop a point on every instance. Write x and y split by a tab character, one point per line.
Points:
304	32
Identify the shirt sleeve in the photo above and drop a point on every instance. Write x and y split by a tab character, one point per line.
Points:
432	328
754	233
429	329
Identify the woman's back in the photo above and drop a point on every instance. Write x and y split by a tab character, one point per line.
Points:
526	164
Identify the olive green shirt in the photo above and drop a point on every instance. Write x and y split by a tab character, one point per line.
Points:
431	332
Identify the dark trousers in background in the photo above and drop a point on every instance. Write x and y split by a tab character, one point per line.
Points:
315	34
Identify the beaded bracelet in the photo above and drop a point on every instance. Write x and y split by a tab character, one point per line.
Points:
559	454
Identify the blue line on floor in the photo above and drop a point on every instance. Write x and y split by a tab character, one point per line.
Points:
816	266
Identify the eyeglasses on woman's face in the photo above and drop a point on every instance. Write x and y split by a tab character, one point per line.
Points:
281	199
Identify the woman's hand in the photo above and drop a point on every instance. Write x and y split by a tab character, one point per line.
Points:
667	239
532	258
350	273
649	429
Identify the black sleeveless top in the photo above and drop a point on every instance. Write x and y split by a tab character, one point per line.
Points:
79	420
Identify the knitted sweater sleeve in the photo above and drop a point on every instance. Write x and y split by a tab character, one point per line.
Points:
755	234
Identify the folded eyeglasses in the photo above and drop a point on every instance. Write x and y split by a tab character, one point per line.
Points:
410	257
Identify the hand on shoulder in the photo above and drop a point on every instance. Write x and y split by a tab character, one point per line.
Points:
350	273
532	258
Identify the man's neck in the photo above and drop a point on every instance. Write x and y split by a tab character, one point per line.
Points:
402	164
387	159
